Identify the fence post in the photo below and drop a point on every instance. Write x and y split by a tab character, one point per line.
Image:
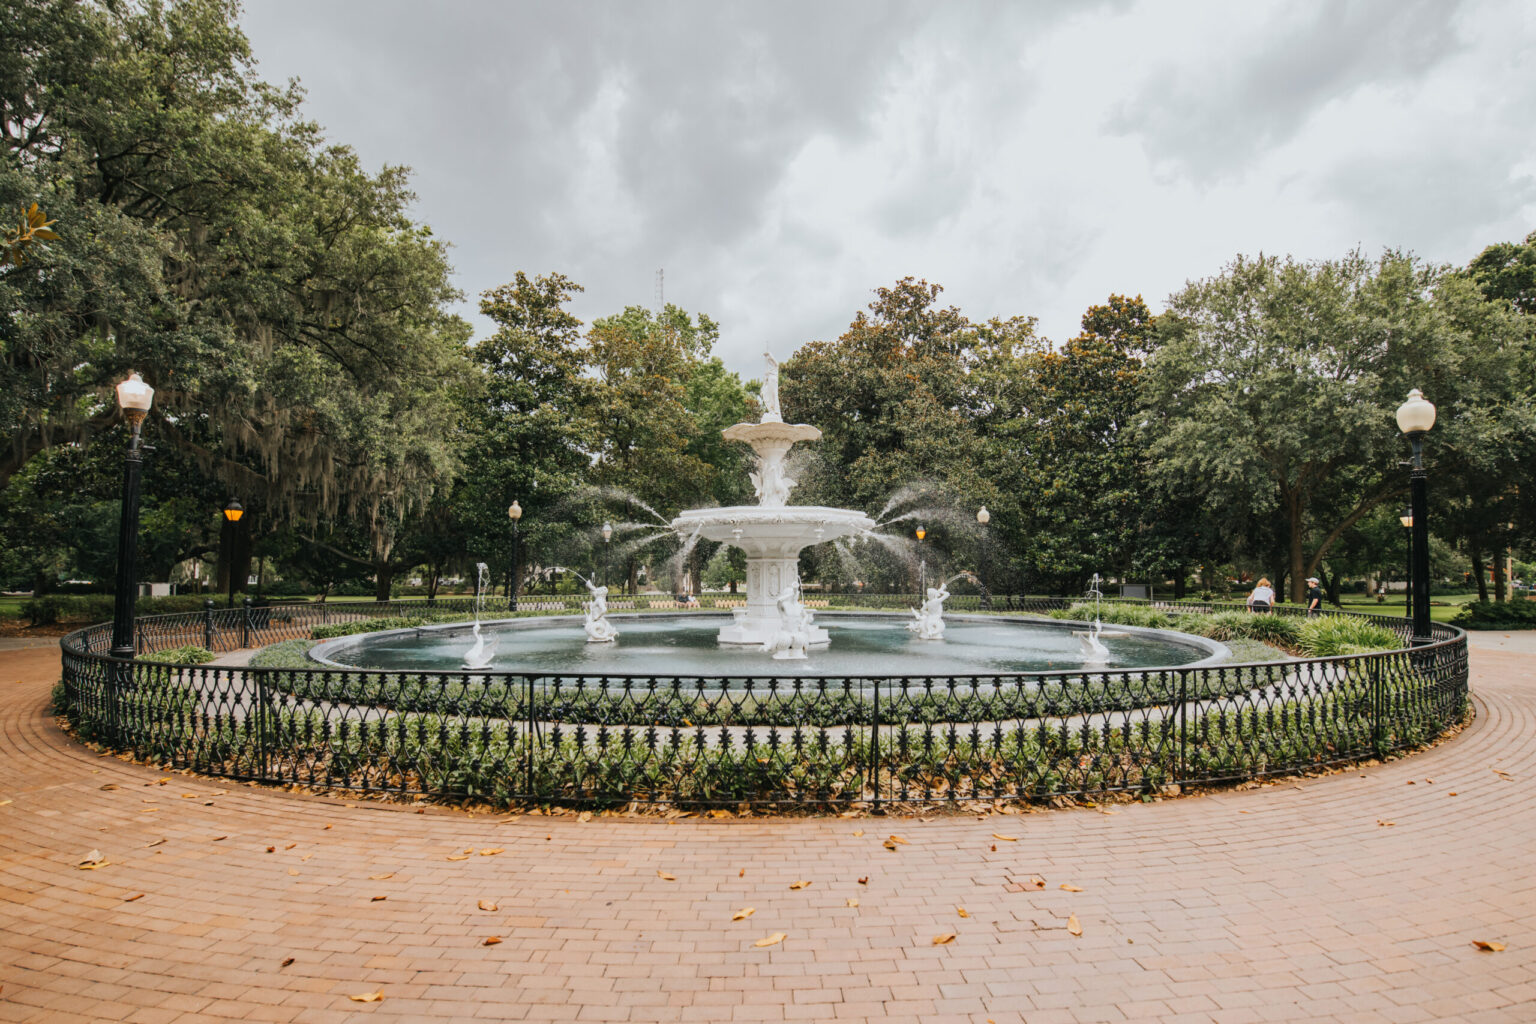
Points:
874	750
245	623
1376	722
528	741
208	624
260	695
1181	764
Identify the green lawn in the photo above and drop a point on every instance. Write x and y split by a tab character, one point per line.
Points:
1442	607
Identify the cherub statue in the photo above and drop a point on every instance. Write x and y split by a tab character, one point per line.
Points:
599	629
928	624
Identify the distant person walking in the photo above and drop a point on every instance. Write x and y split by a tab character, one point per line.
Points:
1262	597
1314	596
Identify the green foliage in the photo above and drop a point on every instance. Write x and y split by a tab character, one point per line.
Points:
336	629
1497	615
89	608
189	655
1122	614
1331	635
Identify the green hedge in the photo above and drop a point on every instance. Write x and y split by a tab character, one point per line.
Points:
190	655
1518	614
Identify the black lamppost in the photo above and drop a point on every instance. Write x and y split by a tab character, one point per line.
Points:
232	513
1407	520
607	536
922	567
983	517
514	513
1416	417
134	398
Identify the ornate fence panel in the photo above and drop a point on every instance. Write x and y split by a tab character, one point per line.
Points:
817	741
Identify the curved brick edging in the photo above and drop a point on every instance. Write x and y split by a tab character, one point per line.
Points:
1286	902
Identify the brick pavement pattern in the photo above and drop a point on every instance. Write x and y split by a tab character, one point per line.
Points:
1353	897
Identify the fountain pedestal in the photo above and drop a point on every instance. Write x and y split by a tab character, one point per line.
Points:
772	539
770	532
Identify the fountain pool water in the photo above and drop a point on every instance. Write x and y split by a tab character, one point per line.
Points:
862	645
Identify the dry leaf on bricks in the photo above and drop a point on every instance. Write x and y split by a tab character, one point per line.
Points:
377	899
380	878
743	913
802	884
1069	887
459	856
132	897
771	940
1074	925
944	939
1034	882
666	876
1488	947
962	912
491	940
367	997
853	901
492	851
487	905
1006	839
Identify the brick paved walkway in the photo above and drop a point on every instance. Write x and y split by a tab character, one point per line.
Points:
1291	902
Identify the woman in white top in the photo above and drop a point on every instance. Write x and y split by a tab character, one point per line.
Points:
1262	597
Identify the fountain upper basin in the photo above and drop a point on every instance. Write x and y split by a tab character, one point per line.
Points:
766	532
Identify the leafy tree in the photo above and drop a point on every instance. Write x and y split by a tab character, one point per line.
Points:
1274	387
288	312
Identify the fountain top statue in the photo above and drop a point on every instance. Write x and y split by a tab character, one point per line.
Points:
772	532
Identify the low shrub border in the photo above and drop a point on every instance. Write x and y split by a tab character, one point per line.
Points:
817	743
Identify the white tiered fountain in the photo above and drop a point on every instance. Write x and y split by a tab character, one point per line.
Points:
771	532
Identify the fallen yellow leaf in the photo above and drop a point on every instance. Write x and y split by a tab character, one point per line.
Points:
458	856
1034	882
584	816
135	896
1074	925
293	871
492	851
743	913
1006	839
491	940
944	940
799	885
898	839
1488	947
380	878
1382	822
772	940
853	901
487	905
864	880
368	997
857	833
1069	887
377	899
962	912
666	877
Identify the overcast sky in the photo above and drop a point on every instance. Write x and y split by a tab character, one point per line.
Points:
780	160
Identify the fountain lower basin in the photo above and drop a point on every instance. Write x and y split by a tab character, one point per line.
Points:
866	645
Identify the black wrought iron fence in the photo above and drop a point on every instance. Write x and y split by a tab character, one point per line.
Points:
820	741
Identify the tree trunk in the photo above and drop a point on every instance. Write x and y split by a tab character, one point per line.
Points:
1480	572
433	573
1298	567
1178	582
384	575
1500	591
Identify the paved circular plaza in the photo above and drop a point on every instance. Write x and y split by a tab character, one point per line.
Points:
1351	897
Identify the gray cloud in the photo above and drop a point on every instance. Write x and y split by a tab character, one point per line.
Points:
782	161
1255	90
